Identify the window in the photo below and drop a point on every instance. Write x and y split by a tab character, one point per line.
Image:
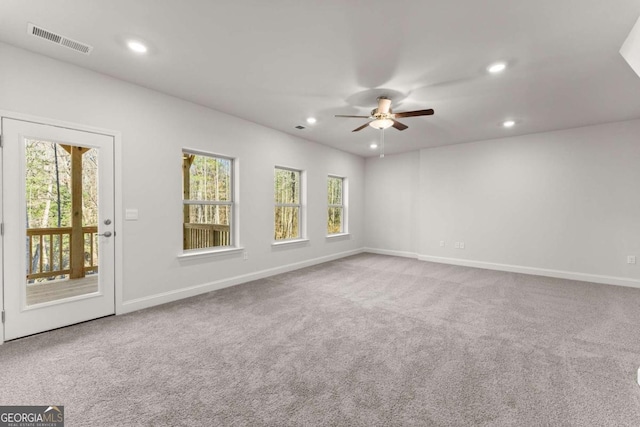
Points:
335	194
288	206
207	197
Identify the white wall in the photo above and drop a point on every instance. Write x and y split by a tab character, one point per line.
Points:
391	205
155	128
562	203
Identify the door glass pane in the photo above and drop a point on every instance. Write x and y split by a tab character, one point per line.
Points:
61	183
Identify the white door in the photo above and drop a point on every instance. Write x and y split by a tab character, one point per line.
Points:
58	243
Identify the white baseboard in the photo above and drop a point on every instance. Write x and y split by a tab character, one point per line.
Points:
178	294
390	252
559	274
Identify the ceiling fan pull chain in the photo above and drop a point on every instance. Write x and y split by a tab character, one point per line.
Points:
382	143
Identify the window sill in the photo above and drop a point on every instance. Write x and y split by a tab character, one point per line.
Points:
289	242
338	235
209	253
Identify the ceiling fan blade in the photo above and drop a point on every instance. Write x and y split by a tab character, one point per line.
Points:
383	105
399	125
428	112
361	127
358	117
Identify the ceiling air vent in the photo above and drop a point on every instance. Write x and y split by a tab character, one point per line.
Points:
59	39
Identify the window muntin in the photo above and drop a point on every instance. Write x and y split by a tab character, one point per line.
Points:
288	206
335	202
207	189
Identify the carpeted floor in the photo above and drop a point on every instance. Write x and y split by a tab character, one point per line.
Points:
368	340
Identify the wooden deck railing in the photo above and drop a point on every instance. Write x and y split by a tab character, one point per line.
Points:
49	251
198	236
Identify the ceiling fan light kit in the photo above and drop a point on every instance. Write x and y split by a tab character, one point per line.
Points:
381	123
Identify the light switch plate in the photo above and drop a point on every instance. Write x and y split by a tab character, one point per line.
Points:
131	214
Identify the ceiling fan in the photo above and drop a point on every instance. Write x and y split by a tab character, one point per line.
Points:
382	117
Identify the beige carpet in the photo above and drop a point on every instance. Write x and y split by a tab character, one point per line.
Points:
368	340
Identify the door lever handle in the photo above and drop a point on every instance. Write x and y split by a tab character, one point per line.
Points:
105	234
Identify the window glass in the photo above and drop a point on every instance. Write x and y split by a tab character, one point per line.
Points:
287	204
335	199
207	190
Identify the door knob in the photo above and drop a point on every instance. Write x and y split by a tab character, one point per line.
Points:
105	234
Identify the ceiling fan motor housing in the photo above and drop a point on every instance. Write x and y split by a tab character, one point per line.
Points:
375	114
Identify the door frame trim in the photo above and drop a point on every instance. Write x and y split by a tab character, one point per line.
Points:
117	208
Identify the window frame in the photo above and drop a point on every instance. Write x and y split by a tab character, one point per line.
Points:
300	205
343	206
232	203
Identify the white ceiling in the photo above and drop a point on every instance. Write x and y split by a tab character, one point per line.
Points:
277	62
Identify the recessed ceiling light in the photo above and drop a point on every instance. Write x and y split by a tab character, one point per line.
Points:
509	124
136	46
498	67
373	146
311	120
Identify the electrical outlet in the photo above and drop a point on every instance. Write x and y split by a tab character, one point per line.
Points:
457	245
441	242
245	255
631	259
461	245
